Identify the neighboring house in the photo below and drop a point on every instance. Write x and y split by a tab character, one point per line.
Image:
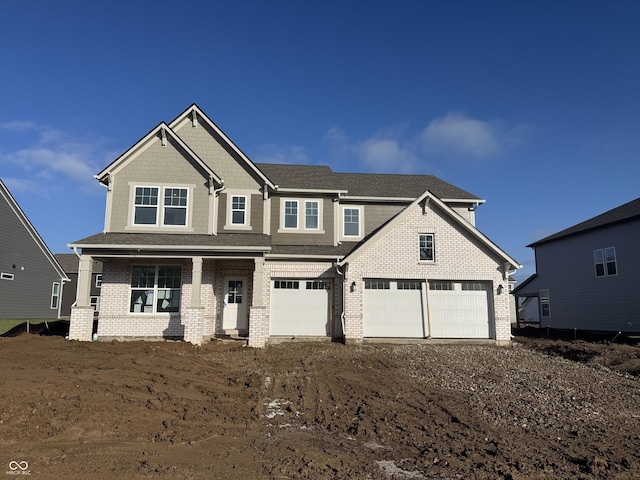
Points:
31	279
200	241
69	263
586	275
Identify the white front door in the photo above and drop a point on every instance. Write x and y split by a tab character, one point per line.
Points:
234	313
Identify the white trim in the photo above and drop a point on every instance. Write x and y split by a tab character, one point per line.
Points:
159	226
301	216
6	276
360	210
228	225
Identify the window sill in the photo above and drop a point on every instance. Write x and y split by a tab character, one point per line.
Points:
301	231
237	227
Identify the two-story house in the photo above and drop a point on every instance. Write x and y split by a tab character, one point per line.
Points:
200	241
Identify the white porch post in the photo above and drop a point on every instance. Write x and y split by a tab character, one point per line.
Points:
258	322
81	323
193	316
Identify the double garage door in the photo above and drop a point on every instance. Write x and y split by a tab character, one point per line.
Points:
398	308
300	308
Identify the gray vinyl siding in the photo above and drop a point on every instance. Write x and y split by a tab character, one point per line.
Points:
165	166
377	215
579	299
256	217
28	295
284	238
218	156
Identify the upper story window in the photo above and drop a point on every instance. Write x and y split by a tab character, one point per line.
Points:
175	206
311	214
604	260
351	222
291	214
238	210
299	215
427	247
99	280
172	213
155	289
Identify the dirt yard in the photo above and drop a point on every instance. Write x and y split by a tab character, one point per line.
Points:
133	410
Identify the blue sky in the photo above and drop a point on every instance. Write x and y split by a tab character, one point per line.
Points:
531	105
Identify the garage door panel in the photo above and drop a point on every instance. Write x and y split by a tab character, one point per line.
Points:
300	308
461	312
392	312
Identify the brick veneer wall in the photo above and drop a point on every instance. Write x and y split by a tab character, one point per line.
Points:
458	256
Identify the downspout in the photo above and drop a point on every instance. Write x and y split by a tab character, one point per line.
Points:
75	250
215	193
344	278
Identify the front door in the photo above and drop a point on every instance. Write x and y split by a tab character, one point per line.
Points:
234	316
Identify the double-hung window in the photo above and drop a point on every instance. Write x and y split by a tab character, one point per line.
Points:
155	289
55	295
175	201
238	210
311	215
146	206
545	303
605	263
291	214
427	248
351	222
175	206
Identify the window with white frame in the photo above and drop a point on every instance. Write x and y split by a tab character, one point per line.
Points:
6	276
175	206
175	202
605	263
376	284
155	289
99	280
351	222
311	214
427	247
238	210
545	303
55	295
290	214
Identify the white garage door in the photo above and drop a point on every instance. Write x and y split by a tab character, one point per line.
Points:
459	309
300	308
393	308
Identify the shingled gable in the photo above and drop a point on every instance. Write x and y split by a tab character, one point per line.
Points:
37	239
628	211
158	134
193	112
430	197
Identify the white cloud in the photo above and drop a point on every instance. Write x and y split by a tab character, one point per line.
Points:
460	135
51	155
271	153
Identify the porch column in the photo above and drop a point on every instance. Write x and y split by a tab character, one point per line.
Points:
193	316
81	322
258	321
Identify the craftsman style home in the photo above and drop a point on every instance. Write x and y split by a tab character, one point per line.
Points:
586	274
199	241
31	279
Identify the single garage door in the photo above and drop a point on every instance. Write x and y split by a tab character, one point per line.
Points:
459	309
393	308
300	308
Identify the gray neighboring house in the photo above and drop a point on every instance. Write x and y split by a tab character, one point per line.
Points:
586	274
31	279
70	263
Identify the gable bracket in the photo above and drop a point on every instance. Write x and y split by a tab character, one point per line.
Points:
194	119
163	137
425	205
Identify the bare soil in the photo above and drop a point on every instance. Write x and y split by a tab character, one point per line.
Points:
97	410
